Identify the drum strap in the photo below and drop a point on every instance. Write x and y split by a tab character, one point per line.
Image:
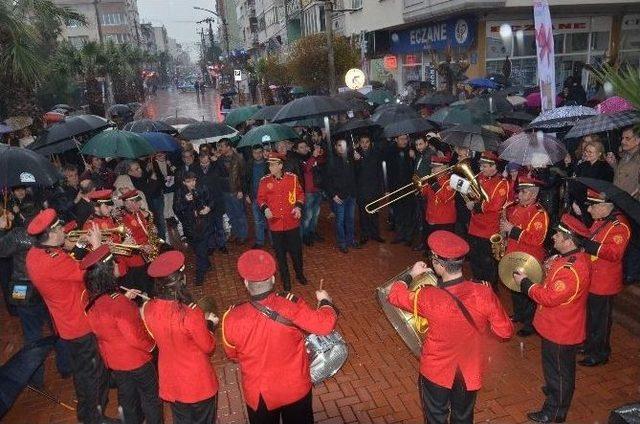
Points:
271	314
463	309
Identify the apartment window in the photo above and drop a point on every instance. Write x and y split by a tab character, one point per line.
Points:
118	38
356	4
112	19
79	41
73	23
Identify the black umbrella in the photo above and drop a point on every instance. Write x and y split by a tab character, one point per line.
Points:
207	129
63	106
492	104
620	198
310	106
62	131
147	125
17	371
360	125
394	112
357	105
604	122
350	94
19	166
179	120
407	126
516	117
472	137
134	105
120	110
266	113
438	98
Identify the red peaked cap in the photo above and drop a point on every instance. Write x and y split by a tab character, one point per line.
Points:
102	253
166	264
447	245
43	221
256	265
569	224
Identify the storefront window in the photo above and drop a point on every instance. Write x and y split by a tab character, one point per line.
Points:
411	67
630	41
577	41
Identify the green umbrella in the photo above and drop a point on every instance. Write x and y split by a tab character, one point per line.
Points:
118	144
269	133
298	90
452	115
379	97
239	115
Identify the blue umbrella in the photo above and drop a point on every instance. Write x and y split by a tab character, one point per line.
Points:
161	142
482	83
5	129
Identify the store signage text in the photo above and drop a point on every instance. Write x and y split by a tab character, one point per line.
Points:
436	36
556	27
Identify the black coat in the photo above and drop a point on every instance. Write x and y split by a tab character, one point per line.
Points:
341	178
151	188
211	181
196	227
15	244
600	170
399	167
369	177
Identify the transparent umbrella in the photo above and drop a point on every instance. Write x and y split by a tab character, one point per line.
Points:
534	149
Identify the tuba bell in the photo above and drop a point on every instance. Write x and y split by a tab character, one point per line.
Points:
409	326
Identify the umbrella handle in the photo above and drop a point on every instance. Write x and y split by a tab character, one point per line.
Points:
51	397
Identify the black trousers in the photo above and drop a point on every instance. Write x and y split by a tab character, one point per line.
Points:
483	264
90	378
404	218
599	310
288	242
138	394
369	222
559	369
203	412
440	403
463	216
298	412
523	309
422	228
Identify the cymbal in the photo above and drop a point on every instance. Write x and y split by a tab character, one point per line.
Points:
514	260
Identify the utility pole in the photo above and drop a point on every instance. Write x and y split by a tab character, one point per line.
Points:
328	22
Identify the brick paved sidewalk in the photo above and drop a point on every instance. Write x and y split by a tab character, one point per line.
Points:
378	382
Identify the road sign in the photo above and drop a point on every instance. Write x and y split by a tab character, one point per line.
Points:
237	75
354	79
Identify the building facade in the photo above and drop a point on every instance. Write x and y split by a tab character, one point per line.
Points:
107	20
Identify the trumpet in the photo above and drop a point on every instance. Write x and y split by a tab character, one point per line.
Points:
124	249
462	168
105	233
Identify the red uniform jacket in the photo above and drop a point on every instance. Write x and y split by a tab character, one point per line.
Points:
531	224
451	342
272	356
485	216
136	224
124	343
184	345
104	223
440	205
561	316
281	196
608	242
60	282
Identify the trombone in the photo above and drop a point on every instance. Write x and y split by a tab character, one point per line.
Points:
463	168
106	233
124	249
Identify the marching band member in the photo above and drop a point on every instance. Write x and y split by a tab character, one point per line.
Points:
460	313
187	378
526	226
485	218
266	336
560	318
124	343
440	208
607	241
60	281
139	225
280	198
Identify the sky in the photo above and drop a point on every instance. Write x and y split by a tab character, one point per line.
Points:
179	17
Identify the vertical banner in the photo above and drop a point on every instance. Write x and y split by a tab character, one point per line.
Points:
545	54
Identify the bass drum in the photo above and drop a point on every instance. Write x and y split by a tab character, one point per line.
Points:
327	354
402	321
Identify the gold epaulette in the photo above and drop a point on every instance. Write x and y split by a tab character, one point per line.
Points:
289	296
193	305
114	295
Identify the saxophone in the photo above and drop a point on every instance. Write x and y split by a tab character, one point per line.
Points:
154	240
498	240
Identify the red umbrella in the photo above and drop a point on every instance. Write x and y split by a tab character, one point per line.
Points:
614	104
534	100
